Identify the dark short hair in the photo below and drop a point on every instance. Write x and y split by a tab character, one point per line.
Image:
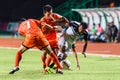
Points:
47	8
22	19
84	25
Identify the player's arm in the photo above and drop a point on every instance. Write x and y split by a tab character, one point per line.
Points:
58	19
85	43
62	19
46	25
67	24
75	54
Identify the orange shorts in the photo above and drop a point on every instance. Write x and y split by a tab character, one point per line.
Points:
38	41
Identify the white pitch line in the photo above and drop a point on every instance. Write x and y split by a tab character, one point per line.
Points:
17	48
103	55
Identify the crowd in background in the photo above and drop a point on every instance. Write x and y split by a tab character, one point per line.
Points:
108	33
98	34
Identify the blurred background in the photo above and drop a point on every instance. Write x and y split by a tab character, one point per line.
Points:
96	13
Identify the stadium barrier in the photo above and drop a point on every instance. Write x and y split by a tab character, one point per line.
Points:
8	28
100	15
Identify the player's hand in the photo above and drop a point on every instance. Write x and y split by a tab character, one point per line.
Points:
78	66
57	28
83	53
67	24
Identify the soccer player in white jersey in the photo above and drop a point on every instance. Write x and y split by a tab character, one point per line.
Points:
74	31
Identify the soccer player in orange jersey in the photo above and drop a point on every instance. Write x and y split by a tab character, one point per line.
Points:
33	38
48	23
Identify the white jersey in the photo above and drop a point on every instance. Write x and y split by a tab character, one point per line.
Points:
71	35
68	39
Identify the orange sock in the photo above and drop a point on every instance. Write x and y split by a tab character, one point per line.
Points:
55	60
18	58
48	60
43	61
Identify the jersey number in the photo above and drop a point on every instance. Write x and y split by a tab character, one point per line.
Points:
28	24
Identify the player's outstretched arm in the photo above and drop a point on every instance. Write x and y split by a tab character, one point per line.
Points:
76	57
84	48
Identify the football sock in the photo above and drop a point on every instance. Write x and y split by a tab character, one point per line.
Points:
55	60
51	65
43	61
48	60
18	58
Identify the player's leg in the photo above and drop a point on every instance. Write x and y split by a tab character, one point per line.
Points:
60	57
48	60
66	64
44	54
18	58
54	46
54	58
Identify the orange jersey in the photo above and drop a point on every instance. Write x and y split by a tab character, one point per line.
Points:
33	35
52	35
27	26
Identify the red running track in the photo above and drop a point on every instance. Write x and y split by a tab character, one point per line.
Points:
94	48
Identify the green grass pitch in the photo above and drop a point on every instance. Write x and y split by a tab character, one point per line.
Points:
92	68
